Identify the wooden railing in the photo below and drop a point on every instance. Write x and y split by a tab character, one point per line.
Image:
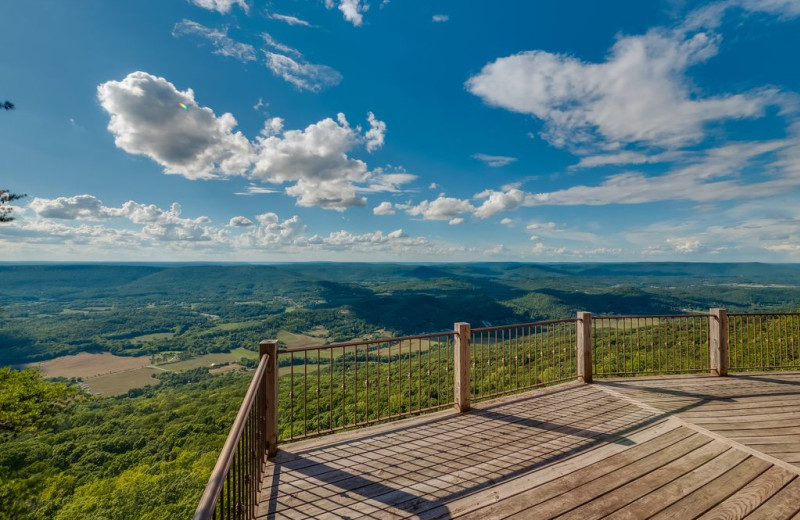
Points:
233	488
324	389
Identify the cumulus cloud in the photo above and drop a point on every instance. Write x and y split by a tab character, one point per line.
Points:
440	18
384	208
496	201
316	160
640	95
218	38
151	117
456	221
157	223
291	20
376	135
240	222
68	208
443	208
301	74
507	221
351	9
495	161
221	6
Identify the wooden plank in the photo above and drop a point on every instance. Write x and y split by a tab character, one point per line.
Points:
751	496
528	481
784	504
475	474
655	501
711	494
604	505
572	491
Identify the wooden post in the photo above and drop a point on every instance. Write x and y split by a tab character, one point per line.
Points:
718	342
461	361
270	347
584	346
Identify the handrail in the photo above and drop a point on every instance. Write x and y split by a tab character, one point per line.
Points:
221	475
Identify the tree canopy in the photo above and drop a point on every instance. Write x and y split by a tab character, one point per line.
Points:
7	197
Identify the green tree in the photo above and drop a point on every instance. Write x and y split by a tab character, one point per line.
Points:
5	198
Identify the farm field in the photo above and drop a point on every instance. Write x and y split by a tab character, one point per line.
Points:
120	382
207	359
87	365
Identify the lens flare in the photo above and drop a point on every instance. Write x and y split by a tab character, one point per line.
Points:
183	106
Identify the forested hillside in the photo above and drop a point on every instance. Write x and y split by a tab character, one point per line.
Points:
66	453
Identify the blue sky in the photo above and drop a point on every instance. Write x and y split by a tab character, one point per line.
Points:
300	130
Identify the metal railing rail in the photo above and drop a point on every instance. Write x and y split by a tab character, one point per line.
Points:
234	485
764	341
513	358
332	387
639	344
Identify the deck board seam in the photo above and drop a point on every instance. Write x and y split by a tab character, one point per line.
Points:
730	442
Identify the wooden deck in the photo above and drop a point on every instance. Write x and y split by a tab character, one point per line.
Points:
671	447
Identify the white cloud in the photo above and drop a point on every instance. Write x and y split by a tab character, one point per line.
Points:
497	201
301	74
223	45
639	95
278	46
495	161
380	182
440	18
620	158
157	223
240	222
433	186
376	135
253	189
79	230
68	208
507	222
221	6
456	221
316	160
351	9
150	117
384	208
291	20
443	208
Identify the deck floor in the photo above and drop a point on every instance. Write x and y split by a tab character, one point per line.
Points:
671	447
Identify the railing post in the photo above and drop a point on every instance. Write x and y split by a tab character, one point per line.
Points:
584	346
270	347
461	361
718	342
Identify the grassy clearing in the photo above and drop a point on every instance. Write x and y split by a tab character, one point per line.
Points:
292	340
235	325
152	337
121	382
89	365
207	359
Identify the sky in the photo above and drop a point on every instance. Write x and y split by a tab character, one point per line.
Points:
401	130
